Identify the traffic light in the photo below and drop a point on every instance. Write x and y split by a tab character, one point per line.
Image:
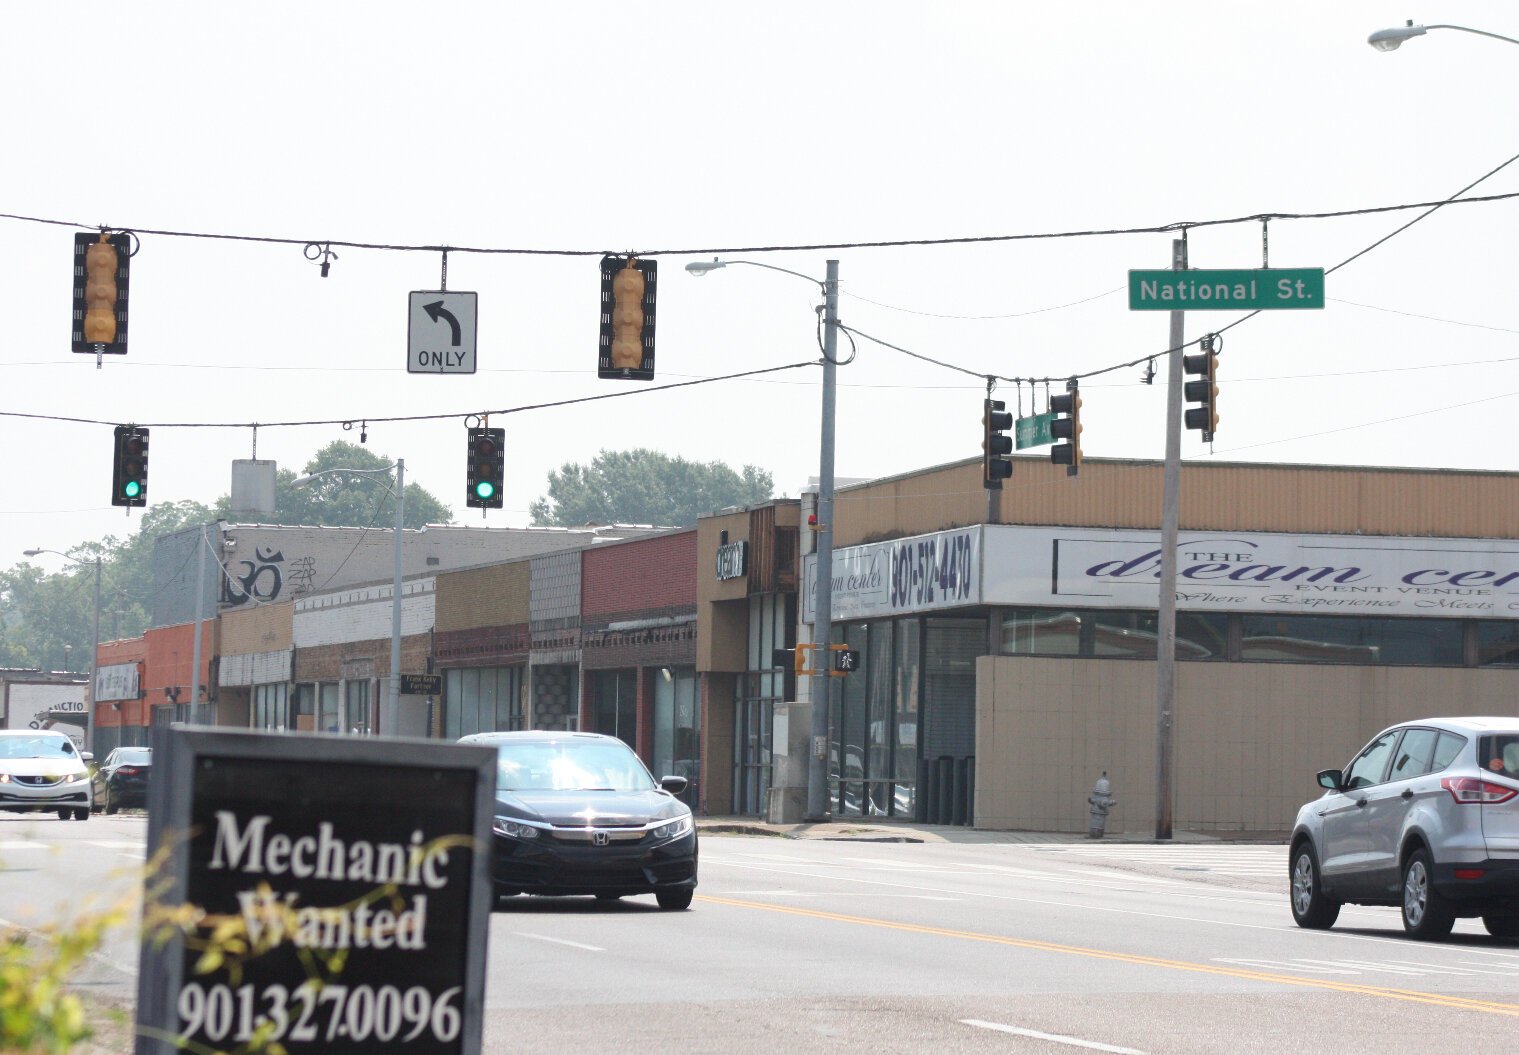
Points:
1067	427
101	267
1203	392
626	348
995	421
129	473
486	468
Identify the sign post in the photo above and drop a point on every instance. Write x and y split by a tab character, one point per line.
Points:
337	892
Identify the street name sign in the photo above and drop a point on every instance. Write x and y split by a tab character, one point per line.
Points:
1265	289
440	332
1033	431
421	685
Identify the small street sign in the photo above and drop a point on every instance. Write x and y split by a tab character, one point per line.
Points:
1033	431
1264	289
440	332
421	684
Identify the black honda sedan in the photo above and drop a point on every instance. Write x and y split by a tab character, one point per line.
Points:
122	779
578	813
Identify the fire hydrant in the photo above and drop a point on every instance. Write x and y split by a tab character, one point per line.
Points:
1101	802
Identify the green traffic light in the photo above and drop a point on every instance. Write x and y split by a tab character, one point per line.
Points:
131	489
484	489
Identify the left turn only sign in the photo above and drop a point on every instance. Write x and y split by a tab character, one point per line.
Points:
440	332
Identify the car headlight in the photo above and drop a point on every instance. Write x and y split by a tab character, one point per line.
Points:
5	778
514	829
674	830
69	778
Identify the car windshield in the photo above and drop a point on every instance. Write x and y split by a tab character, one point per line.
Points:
137	756
36	747
570	765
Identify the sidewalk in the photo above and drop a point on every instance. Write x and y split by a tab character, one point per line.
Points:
878	831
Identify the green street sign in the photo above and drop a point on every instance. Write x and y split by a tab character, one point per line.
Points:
1033	432
1265	289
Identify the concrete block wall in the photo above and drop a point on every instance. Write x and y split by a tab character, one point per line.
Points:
363	614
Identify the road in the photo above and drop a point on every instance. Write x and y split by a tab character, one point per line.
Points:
827	946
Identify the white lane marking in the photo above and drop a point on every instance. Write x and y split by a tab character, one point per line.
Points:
559	941
1285	965
117	844
1053	1038
1371	965
21	844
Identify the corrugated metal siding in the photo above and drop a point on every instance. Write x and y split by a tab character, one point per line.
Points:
1438	503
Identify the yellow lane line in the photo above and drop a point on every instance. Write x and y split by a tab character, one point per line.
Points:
1407	995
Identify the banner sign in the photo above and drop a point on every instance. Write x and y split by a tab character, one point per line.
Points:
1255	572
918	574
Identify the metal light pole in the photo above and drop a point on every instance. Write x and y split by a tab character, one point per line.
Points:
1165	615
822	617
89	714
1390	39
391	716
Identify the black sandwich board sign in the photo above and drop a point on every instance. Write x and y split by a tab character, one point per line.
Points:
330	893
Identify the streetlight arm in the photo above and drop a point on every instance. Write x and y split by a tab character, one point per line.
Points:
302	481
698	268
1390	39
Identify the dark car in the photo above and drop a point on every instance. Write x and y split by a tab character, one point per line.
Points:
578	813
122	779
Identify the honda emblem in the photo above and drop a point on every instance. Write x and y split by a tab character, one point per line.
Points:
600	838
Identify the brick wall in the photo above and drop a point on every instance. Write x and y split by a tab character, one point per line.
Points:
656	572
491	596
327	662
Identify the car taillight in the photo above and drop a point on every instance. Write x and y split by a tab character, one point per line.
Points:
1470	790
130	771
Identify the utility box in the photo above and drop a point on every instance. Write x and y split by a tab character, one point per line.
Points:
791	737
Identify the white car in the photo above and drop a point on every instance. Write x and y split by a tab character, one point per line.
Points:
41	770
1425	817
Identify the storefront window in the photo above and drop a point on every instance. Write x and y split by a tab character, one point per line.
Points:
356	721
270	703
480	700
908	661
327	708
772	617
1111	633
614	705
1330	639
1498	643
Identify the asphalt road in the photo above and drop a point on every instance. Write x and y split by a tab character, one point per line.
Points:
827	946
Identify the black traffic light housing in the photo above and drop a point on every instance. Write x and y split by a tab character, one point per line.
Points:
487	468
995	443
129	467
102	267
1067	427
1204	391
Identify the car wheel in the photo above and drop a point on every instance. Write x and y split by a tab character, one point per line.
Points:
65	814
1427	916
1502	925
1311	907
82	814
110	803
674	900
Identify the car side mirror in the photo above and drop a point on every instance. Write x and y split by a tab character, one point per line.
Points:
674	785
87	756
1331	779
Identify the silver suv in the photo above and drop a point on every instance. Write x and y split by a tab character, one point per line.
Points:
1426	816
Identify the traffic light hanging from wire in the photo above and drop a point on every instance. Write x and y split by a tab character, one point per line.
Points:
102	264
1204	391
1067	427
129	472
995	421
487	462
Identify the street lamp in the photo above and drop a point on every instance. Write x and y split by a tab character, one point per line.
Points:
89	714
822	618
390	721
1390	39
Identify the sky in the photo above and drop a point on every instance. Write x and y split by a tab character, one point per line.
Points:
686	130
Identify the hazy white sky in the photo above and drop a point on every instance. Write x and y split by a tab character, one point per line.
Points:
609	127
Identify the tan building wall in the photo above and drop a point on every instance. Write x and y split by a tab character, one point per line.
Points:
493	595
1248	737
1440	503
265	628
722	612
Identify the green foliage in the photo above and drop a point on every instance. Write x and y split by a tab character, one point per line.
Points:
41	613
645	487
37	1013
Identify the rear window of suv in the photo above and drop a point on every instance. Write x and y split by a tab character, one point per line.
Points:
1499	753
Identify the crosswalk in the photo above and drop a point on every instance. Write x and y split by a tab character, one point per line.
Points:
1494	964
9	845
1240	860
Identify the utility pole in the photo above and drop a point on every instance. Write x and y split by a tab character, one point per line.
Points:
822	618
1165	655
200	601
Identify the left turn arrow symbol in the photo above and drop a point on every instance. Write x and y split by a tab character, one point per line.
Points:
436	309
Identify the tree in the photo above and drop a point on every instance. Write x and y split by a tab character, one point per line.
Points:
40	614
645	487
